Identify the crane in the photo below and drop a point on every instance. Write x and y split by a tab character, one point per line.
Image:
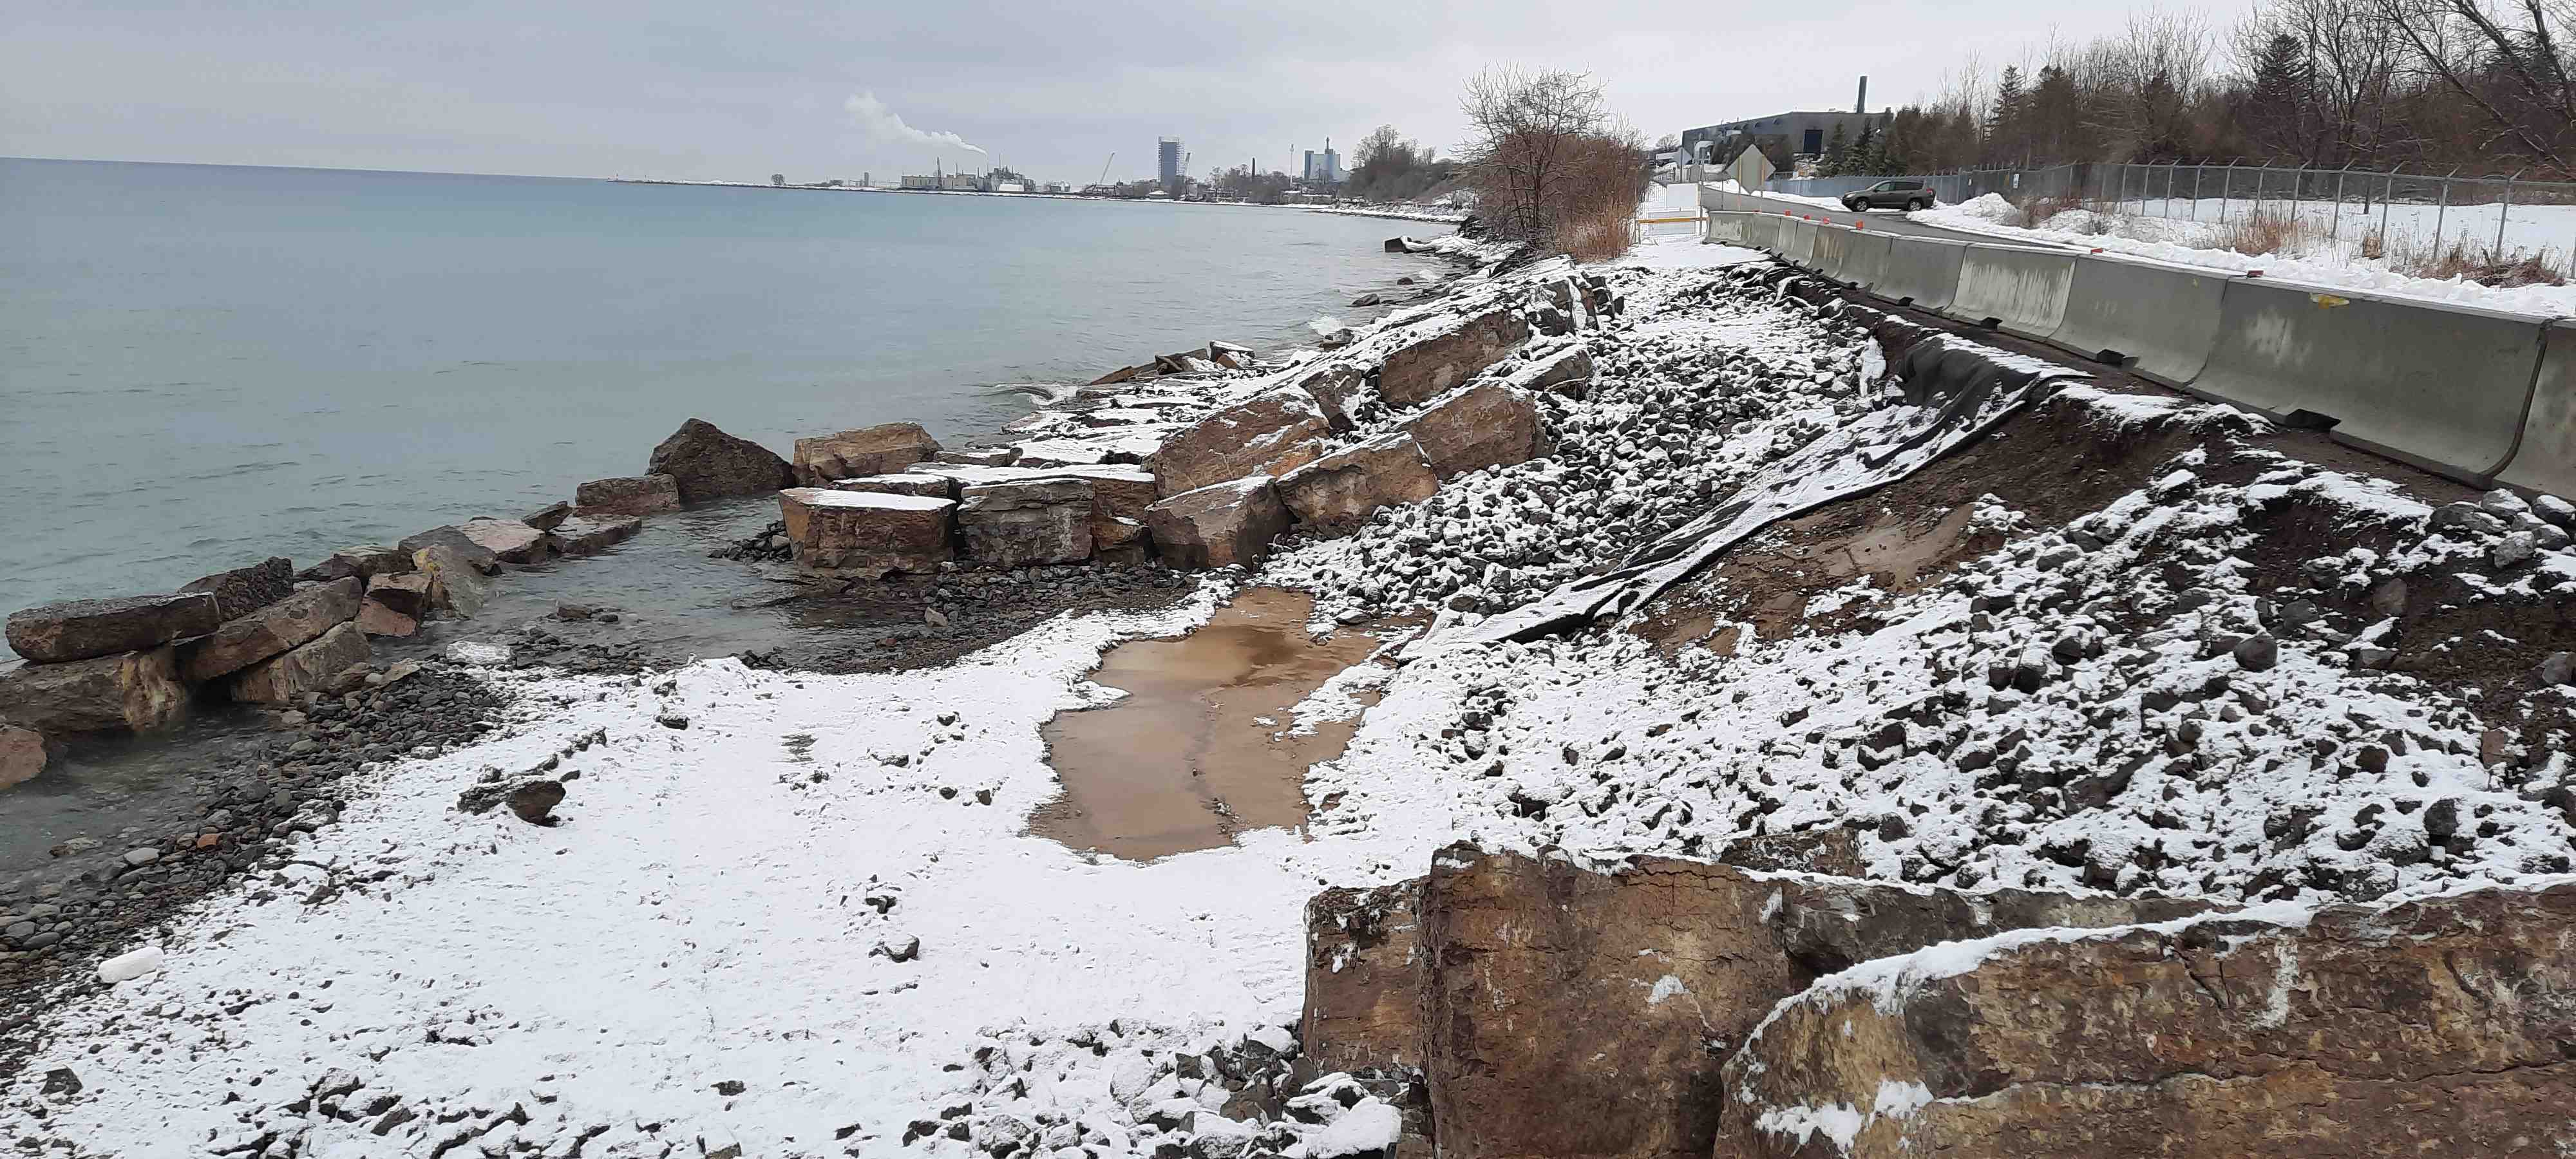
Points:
1104	168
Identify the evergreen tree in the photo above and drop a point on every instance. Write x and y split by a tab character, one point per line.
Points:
1837	159
2003	125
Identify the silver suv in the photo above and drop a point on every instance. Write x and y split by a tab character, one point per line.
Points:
1901	193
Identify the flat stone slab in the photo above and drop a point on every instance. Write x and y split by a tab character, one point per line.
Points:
875	450
1487	425
1025	524
1270	433
82	629
867	533
1336	494
1428	368
509	540
585	532
472	554
630	495
269	631
312	667
127	692
1224	525
244	589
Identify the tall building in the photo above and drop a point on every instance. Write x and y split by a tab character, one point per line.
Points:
1168	161
1307	173
1333	170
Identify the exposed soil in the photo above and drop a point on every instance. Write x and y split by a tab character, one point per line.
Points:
1201	749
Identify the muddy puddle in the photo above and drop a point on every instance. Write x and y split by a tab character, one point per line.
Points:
1200	749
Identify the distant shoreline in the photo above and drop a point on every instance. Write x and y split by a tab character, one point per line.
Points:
1392	214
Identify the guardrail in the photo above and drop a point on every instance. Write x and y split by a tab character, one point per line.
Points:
2482	396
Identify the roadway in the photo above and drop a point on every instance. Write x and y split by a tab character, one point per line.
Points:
1893	221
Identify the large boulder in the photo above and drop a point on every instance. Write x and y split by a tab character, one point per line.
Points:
586	532
395	604
244	589
456	586
81	629
22	755
1022	524
877	450
1337	493
130	691
509	540
901	483
1567	371
1665	965
472	554
309	668
269	631
631	495
364	562
1332	385
2433	1027
1449	355
1221	525
707	463
1120	541
1270	433
1487	425
867	533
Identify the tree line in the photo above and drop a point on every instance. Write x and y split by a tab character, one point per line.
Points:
2423	85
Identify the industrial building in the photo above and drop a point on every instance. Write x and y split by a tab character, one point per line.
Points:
1167	157
1781	136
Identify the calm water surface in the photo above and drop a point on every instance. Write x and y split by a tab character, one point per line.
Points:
201	366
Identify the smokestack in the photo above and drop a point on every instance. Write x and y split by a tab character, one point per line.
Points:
1860	104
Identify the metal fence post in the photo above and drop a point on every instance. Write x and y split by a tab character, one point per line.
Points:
2386	195
2334	228
2444	211
2196	172
2297	181
2226	191
2503	212
2169	176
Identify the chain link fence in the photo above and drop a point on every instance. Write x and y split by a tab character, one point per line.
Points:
2370	213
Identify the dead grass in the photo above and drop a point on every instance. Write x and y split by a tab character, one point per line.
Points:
2425	258
2264	231
1599	235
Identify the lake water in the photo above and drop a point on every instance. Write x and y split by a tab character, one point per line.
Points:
201	366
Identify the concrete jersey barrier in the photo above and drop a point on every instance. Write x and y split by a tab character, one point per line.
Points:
2441	386
1798	242
2545	459
2017	289
1865	258
1830	253
2161	320
1921	272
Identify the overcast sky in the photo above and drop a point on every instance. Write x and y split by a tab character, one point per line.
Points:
738	90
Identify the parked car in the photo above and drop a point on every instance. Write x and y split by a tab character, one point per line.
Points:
1900	193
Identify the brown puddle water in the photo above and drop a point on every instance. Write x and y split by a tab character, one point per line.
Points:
1185	762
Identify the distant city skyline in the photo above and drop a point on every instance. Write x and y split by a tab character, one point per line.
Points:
682	90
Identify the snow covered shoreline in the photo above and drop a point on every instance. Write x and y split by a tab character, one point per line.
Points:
790	913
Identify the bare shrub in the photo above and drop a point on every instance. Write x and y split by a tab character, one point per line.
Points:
1598	236
2265	230
2424	258
1547	158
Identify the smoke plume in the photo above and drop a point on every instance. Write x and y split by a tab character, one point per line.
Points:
882	123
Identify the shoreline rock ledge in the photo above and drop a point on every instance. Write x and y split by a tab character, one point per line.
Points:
87	629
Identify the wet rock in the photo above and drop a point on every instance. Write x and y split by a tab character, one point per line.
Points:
1489	425
131	691
395	604
867	534
1337	493
269	631
1026	524
1269	434
630	495
710	464
244	590
456	586
364	562
589	532
472	554
2258	652
509	540
875	450
22	754
1224	525
2364	1031
548	517
310	667
83	629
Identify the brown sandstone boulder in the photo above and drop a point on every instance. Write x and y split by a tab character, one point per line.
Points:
1430	366
1333	385
1043	521
509	540
1567	372
1222	525
363	562
82	629
1489	425
22	755
901	483
243	589
1269	434
1338	493
632	495
1665	966
239	643
468	552
587	532
1834	852
309	668
548	517
988	457
2434	1027
408	594
1120	541
456	586
707	463
130	691
1364	975
876	450
867	533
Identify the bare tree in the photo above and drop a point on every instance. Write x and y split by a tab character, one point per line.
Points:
1528	128
2512	67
